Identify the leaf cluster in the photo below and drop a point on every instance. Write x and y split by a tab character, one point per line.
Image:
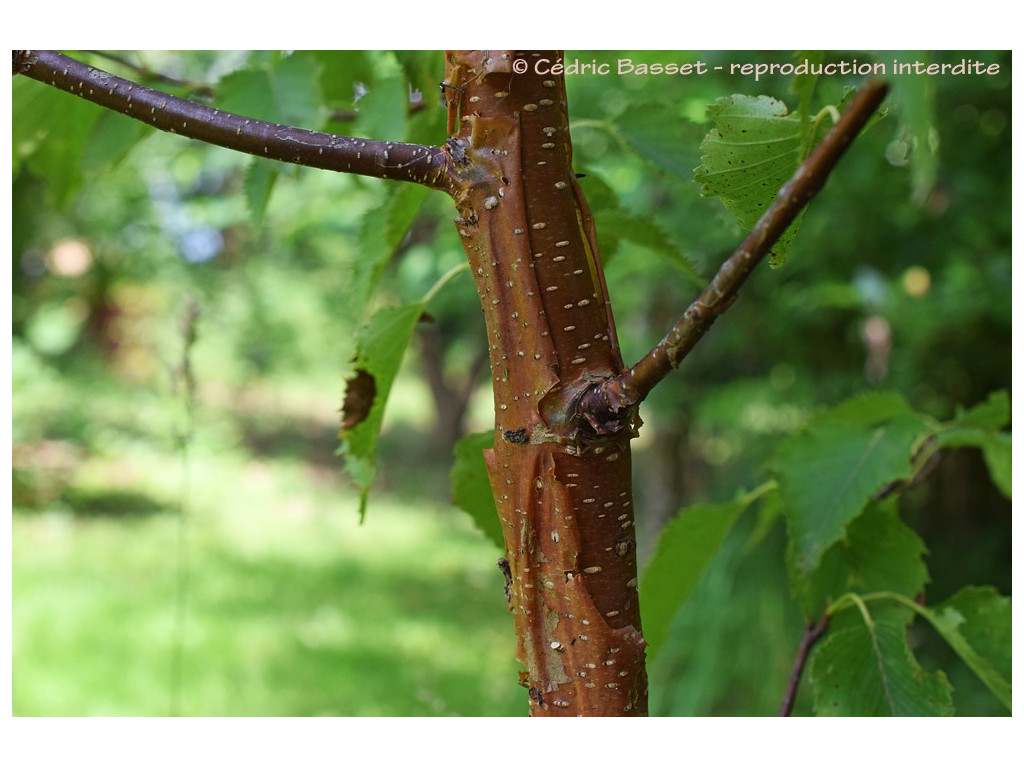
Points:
852	561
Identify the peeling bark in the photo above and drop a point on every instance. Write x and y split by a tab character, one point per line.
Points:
563	488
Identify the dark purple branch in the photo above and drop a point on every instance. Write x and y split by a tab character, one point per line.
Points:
812	634
606	402
381	159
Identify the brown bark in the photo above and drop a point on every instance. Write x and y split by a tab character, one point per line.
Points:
563	492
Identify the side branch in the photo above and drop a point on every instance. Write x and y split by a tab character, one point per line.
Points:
381	159
812	634
606	402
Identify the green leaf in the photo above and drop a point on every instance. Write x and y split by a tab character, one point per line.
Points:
883	552
339	73
803	86
422	70
657	133
980	427
615	224
90	140
867	670
976	622
618	224
259	183
471	490
382	231
54	155
994	413
997	453
286	91
995	448
768	515
915	98
684	548
427	126
31	127
382	111
828	473
381	344
867	409
753	150
112	138
879	552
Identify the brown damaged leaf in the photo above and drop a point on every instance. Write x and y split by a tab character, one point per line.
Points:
360	391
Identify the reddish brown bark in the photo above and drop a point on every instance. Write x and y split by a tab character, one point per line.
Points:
563	492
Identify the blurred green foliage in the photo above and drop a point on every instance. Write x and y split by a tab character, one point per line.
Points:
899	279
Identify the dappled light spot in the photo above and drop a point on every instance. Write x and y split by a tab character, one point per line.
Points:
917	281
69	257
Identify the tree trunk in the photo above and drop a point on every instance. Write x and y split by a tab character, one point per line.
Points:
563	490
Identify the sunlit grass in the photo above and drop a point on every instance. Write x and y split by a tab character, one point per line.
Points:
291	606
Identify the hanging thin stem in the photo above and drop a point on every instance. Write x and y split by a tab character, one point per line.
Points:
182	375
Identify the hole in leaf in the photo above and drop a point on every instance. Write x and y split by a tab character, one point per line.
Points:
360	391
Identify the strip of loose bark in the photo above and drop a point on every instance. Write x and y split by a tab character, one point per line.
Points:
381	159
605	402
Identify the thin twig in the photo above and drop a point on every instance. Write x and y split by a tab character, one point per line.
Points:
605	401
919	476
812	634
183	375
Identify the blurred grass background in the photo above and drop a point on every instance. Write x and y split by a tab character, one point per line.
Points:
291	607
